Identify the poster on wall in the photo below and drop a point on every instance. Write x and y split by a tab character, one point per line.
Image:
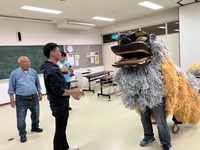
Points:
92	60
92	57
77	58
96	57
77	62
77	55
70	58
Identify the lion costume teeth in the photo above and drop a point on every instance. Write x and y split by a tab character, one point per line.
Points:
146	74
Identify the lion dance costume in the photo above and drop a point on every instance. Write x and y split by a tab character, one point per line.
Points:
146	74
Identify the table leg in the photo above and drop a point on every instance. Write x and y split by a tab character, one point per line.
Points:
89	84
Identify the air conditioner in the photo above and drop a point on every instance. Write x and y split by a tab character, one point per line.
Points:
75	25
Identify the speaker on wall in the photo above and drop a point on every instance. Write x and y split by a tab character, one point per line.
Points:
19	37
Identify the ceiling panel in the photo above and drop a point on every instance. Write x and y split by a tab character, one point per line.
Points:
84	10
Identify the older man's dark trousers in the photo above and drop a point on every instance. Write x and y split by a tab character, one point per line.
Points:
23	105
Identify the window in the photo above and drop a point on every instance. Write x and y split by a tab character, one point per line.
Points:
132	30
155	29
159	29
110	37
173	27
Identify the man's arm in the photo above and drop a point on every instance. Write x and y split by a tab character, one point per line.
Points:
71	71
11	89
76	94
38	85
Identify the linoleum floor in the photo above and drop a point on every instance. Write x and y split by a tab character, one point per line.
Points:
94	124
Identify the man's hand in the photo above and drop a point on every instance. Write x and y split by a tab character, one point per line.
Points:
12	103
12	100
40	96
77	94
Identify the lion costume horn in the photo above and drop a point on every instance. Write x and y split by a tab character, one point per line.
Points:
147	73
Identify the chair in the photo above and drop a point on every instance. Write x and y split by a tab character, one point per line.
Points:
112	85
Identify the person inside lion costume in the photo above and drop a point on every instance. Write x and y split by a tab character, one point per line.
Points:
153	85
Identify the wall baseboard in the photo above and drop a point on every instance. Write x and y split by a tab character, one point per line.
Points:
4	104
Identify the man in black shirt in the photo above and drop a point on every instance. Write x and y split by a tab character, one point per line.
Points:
58	95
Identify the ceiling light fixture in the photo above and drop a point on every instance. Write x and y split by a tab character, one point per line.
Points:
162	27
150	5
41	9
74	25
177	30
103	18
81	23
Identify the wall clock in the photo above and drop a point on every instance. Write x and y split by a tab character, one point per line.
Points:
70	49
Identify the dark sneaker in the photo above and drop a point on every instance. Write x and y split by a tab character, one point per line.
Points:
144	143
37	130
165	147
23	138
70	108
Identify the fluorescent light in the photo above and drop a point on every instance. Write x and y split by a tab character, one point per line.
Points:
176	30
41	9
103	18
81	23
74	25
162	27
150	5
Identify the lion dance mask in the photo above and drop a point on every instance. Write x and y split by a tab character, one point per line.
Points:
146	74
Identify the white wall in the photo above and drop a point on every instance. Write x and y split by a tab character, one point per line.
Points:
172	42
189	34
36	33
108	56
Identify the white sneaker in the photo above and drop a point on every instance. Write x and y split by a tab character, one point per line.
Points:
73	148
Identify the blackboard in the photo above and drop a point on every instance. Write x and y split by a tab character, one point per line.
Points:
9	58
